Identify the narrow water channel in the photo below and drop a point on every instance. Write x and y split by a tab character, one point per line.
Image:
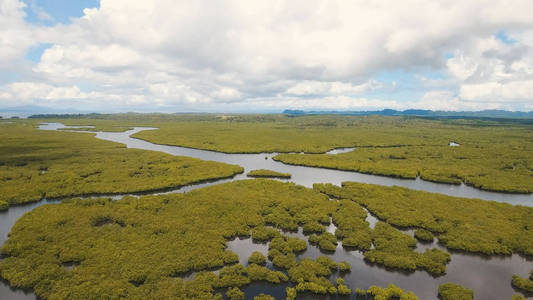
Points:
489	276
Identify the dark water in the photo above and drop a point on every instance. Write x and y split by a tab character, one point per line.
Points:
489	277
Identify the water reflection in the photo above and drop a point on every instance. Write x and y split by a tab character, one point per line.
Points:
340	150
489	277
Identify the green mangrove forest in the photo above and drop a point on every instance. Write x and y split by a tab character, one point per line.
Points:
452	291
466	224
177	245
35	164
138	247
492	154
262	173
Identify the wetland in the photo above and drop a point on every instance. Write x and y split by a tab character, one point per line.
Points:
311	230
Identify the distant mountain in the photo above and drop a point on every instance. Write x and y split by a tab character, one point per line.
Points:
420	113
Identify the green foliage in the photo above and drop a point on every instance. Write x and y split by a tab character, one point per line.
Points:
396	249
264	297
312	276
238	275
524	284
344	266
325	241
282	251
424	235
261	273
257	258
137	246
268	173
499	162
494	156
232	276
36	163
342	288
263	233
391	292
352	228
291	293
518	297
471	225
452	291
3	205
235	294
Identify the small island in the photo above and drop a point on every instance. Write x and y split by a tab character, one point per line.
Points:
268	174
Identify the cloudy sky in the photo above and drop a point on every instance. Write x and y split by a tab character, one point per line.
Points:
265	56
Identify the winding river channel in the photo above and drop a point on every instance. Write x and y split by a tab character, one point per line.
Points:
489	277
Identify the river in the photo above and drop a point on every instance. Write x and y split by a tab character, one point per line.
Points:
489	277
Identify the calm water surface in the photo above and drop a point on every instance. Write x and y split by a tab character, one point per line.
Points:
489	277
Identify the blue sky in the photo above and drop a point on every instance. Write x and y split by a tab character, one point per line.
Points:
234	56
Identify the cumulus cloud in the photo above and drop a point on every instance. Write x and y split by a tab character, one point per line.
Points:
307	87
289	54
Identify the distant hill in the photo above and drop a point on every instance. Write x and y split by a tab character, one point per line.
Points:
420	113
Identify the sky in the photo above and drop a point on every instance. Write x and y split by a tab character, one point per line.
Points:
265	56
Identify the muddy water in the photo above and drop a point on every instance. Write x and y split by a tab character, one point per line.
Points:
488	276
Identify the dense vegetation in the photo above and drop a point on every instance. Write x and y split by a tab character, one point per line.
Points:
471	225
135	247
388	293
424	235
524	284
36	163
492	155
452	291
268	173
395	249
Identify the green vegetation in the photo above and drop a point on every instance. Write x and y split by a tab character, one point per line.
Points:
389	293
135	246
282	251
235	294
342	288
35	163
291	293
238	275
344	266
3	205
264	297
471	225
264	234
424	235
352	228
395	249
452	291
257	258
518	297
524	284
268	173
493	155
325	241
312	275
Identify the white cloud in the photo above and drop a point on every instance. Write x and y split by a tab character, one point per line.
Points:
514	91
330	88
304	53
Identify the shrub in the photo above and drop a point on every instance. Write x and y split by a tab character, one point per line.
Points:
424	235
452	291
257	258
525	284
235	294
